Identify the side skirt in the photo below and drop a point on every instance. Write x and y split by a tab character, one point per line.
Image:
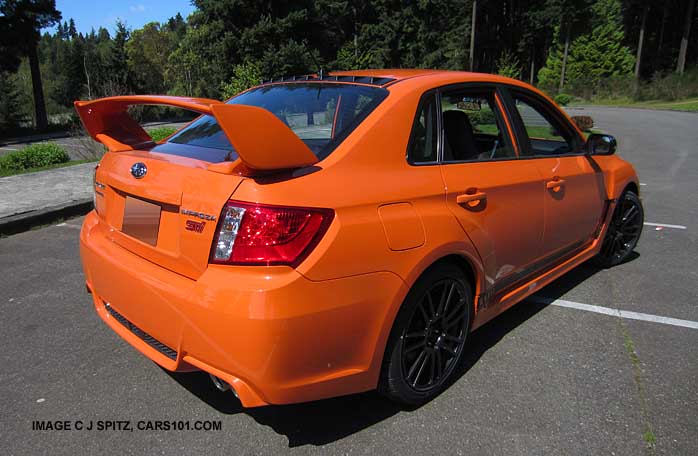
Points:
532	279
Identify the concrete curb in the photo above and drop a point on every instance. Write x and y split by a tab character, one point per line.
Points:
34	138
25	221
640	108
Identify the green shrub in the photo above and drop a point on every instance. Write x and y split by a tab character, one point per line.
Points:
160	133
38	155
563	99
245	75
508	65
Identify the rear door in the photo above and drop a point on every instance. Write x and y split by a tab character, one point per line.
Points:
573	183
497	198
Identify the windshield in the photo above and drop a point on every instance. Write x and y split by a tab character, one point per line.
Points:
321	114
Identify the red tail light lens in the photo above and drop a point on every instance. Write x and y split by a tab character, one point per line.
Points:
257	234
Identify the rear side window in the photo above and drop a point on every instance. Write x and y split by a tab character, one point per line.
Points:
322	115
423	142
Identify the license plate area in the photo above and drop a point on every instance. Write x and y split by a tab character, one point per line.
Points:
141	220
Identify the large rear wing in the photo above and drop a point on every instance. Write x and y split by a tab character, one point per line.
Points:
261	140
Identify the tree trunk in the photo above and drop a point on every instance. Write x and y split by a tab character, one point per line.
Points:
533	64
564	58
681	65
661	30
87	76
39	104
638	59
472	36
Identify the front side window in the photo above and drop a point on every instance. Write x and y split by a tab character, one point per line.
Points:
473	129
321	114
546	135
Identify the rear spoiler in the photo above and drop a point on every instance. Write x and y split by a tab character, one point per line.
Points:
262	141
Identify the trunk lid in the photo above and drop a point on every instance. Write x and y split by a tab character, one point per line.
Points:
169	215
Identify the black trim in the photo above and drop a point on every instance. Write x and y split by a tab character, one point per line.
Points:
369	80
144	336
604	215
424	99
540	267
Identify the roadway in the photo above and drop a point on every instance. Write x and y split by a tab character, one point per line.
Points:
560	378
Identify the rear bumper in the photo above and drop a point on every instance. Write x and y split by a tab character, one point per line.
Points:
274	335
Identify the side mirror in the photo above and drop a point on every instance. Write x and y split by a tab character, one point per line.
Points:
598	144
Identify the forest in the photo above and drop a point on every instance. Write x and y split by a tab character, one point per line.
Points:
572	49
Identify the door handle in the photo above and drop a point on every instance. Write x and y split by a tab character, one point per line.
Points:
468	198
555	183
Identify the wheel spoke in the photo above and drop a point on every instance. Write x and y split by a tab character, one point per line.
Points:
457	340
431	304
416	334
630	212
413	347
425	358
438	361
456	315
442	300
448	300
424	313
416	362
432	368
449	350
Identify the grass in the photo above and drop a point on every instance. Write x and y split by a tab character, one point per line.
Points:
160	133
157	134
690	105
5	172
647	435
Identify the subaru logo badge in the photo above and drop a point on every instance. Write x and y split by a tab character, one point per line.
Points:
138	170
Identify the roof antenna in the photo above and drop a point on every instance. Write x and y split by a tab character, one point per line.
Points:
312	57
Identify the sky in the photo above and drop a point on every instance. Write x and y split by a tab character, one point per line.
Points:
90	14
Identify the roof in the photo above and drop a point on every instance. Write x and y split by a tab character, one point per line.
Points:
380	77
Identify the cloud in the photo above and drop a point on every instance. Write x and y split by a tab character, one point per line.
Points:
137	8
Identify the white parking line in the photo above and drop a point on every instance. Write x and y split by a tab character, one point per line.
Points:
666	225
68	225
642	183
616	312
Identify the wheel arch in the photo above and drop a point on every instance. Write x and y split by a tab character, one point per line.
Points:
472	270
633	187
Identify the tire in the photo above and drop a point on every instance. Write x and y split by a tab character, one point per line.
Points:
624	230
428	337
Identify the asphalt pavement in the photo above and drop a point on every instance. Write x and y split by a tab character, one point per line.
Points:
540	379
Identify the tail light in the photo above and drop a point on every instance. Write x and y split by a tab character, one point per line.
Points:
258	234
97	189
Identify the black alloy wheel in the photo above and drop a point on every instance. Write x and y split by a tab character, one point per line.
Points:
623	232
428	336
434	336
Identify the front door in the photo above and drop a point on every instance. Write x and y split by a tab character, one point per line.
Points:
573	184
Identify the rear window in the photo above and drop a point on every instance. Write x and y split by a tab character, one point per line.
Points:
322	115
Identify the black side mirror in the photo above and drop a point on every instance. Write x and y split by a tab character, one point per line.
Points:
598	144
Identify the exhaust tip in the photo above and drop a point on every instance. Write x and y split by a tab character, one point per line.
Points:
219	383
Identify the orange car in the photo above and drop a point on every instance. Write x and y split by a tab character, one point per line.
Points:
323	235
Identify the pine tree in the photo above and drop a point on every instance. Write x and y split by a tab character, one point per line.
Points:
593	55
602	53
10	103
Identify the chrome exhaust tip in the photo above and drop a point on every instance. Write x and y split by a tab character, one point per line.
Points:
219	383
